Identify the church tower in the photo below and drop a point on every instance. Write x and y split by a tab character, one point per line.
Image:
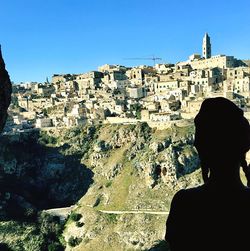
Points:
206	47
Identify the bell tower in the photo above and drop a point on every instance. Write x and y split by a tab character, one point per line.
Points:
206	47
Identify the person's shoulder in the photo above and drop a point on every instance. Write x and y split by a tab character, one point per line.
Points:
189	191
186	194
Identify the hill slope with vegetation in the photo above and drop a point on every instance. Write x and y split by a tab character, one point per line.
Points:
121	179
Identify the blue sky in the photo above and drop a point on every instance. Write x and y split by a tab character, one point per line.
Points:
43	37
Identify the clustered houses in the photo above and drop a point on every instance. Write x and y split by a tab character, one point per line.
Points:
117	93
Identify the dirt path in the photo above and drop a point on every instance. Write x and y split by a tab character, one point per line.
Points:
134	212
62	212
65	211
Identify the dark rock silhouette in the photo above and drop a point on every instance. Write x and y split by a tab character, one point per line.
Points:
215	216
38	176
5	92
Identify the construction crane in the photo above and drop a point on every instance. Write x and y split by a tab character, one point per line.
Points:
149	58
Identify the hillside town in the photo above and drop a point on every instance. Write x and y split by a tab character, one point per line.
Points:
119	94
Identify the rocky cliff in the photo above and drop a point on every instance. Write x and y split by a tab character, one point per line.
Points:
5	92
121	179
136	172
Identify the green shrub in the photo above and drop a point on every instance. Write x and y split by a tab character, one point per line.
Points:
98	201
56	246
79	224
75	216
30	213
108	184
51	229
74	241
47	139
111	218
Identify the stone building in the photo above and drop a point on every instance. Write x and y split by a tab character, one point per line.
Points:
136	75
220	61
56	78
107	68
166	86
43	122
238	73
164	116
90	80
136	92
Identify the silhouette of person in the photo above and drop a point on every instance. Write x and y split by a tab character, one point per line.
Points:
215	215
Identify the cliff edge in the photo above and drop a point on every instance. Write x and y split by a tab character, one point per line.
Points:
5	92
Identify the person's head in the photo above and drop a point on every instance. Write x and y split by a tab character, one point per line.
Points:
222	136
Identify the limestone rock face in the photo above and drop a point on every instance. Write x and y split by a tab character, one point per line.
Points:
5	92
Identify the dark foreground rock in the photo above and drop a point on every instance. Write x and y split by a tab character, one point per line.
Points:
5	92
